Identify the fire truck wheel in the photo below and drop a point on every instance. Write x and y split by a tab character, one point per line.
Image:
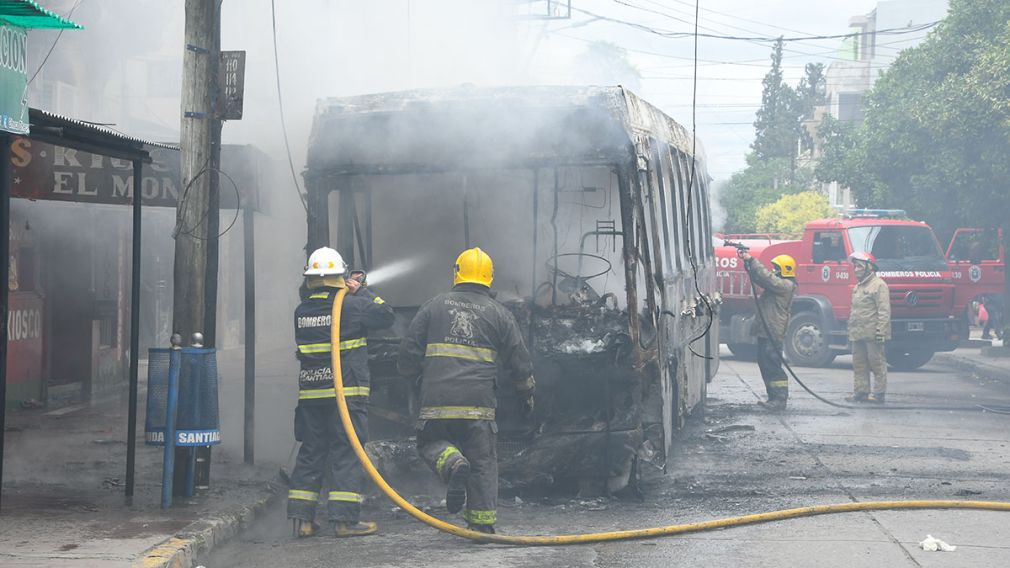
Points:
743	351
902	360
806	344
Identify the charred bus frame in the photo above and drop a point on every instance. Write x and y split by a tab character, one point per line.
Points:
423	174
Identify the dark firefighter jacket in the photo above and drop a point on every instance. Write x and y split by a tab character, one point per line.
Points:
774	302
457	341
360	313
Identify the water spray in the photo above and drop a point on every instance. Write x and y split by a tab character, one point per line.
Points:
393	270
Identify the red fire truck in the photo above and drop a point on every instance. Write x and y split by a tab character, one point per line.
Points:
909	259
977	261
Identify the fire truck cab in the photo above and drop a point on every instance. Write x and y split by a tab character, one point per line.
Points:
977	259
909	260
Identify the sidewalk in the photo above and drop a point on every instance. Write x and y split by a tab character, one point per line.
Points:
64	500
977	360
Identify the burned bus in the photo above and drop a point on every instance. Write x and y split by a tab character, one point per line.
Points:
596	214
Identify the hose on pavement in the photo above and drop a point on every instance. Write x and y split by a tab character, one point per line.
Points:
396	498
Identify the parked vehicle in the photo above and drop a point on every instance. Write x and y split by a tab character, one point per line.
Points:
584	199
977	259
909	260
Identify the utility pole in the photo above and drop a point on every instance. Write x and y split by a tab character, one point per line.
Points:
194	242
196	231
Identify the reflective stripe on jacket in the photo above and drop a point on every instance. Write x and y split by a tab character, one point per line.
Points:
456	342
871	310
361	312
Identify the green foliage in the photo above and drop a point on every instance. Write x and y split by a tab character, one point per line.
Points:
778	120
790	213
771	170
761	183
936	135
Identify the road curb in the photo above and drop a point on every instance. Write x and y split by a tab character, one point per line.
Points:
200	537
974	365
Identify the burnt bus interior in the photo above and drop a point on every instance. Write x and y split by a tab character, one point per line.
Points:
587	224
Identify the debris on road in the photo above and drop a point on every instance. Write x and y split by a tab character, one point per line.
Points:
936	545
731	428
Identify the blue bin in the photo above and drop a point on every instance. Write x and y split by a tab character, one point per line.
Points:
197	421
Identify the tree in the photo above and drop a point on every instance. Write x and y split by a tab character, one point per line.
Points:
778	120
811	93
790	213
936	133
761	183
812	90
771	170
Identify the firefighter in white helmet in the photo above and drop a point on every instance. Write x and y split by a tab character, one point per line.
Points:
325	448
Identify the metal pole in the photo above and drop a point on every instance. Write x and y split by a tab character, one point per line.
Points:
168	467
5	222
131	424
249	438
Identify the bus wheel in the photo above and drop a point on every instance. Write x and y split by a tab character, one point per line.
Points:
806	344
743	351
902	360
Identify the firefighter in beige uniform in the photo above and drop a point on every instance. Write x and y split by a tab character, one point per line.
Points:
869	329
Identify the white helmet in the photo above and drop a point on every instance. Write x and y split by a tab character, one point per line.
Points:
325	262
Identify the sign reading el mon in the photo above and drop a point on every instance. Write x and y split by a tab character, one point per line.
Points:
48	172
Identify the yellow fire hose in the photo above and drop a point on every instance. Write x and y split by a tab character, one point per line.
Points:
338	383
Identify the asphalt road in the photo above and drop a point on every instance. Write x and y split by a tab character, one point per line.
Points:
811	454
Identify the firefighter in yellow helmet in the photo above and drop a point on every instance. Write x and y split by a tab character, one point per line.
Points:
325	449
457	342
774	304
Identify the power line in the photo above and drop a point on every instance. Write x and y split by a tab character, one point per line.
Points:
681	35
675	18
280	106
691	244
762	62
53	46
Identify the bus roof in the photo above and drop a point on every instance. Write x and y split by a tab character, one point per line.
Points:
495	127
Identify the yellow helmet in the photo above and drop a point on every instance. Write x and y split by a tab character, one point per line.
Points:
786	265
473	266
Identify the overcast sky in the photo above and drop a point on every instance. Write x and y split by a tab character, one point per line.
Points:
348	47
340	47
730	71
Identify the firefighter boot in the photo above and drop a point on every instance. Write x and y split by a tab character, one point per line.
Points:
877	397
858	397
455	495
487	529
303	528
360	528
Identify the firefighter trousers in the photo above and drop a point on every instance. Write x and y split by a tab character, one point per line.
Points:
772	373
869	356
442	443
326	452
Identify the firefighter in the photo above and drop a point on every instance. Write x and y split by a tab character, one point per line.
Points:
776	299
869	329
456	343
325	448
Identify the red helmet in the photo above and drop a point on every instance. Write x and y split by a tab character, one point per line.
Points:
864	256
